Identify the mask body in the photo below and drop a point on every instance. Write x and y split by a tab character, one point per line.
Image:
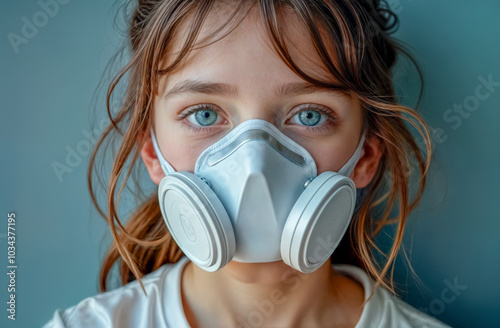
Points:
255	197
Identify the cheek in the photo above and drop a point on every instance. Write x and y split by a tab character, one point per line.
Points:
180	152
329	155
181	157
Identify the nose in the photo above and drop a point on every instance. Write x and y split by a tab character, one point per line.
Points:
263	112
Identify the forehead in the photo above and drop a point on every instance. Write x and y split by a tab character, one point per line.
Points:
220	40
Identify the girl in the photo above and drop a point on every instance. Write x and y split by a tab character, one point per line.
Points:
259	121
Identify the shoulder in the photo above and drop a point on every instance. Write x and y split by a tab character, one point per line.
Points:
384	309
126	306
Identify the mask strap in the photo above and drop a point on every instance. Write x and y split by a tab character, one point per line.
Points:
348	167
165	166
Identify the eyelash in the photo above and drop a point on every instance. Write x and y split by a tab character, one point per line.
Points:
194	109
332	119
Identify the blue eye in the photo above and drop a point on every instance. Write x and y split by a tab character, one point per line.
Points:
309	118
204	117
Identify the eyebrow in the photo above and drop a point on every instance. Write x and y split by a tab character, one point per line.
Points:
224	89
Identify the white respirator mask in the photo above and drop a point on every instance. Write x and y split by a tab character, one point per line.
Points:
255	197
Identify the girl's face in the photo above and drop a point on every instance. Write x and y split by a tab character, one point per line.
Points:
240	78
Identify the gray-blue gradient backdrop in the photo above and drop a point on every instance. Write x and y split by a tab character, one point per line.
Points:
48	78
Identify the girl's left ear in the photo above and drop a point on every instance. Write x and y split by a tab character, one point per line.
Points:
150	160
368	163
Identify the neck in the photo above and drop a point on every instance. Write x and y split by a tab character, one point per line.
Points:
269	294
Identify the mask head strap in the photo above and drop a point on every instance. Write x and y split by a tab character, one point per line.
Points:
348	167
165	166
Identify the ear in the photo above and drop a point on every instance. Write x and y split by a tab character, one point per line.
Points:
150	159
368	163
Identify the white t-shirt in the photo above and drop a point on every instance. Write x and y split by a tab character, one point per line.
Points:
127	306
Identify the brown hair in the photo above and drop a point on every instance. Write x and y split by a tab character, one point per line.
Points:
352	38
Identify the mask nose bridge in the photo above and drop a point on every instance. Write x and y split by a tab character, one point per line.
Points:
257	151
255	135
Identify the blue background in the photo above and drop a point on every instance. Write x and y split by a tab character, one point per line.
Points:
48	92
